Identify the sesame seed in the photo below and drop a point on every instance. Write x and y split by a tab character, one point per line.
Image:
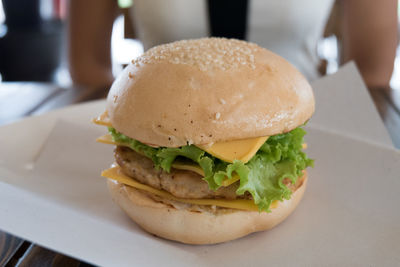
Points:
217	115
223	102
206	54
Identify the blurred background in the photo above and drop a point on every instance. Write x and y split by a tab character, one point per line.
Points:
33	45
55	53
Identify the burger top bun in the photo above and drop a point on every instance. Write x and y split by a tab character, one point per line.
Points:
208	90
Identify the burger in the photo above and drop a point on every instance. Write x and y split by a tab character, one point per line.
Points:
209	139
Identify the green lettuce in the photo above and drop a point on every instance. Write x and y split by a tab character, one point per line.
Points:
280	157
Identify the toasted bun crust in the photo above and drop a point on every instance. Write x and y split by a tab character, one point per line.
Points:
208	90
196	227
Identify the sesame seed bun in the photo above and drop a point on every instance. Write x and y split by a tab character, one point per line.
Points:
197	225
201	92
208	90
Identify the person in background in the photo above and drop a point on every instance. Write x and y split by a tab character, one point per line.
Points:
289	28
89	42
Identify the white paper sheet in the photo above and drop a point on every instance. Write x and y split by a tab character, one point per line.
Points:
51	193
344	106
63	204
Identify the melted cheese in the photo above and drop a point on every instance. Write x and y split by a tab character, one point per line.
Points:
242	150
116	173
103	119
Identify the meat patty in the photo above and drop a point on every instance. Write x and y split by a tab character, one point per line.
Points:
180	183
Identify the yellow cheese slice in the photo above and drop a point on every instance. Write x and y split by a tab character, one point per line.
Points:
187	166
116	173
107	139
228	182
103	119
242	150
197	169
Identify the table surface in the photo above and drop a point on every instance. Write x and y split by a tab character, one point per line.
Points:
21	99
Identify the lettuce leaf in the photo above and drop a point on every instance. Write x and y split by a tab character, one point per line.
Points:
280	157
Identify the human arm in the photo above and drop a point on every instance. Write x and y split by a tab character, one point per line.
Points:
370	38
89	41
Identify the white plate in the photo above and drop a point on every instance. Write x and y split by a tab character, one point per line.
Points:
52	194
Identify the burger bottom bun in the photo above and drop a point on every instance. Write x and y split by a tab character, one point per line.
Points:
186	225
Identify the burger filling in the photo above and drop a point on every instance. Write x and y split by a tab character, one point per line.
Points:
180	183
270	175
